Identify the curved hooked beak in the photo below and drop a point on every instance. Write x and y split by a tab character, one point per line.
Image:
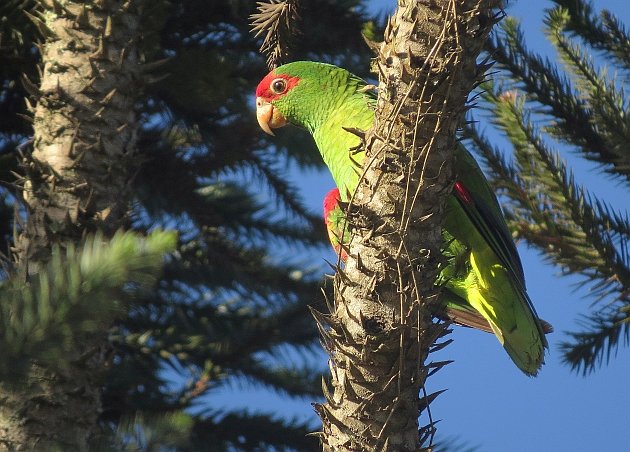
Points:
268	116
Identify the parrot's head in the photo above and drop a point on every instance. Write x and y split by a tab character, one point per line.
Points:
299	93
273	98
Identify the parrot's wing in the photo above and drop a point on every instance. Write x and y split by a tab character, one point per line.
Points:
492	229
480	204
496	234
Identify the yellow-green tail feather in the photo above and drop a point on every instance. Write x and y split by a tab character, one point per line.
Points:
491	291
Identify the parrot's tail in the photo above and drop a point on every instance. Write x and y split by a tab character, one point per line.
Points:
510	314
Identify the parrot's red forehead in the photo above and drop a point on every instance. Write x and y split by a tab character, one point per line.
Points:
264	87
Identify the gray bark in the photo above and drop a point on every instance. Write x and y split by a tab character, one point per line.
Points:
381	329
84	124
76	180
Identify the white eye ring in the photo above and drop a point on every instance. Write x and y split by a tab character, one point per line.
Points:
278	86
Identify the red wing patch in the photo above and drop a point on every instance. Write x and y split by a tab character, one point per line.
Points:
462	193
331	201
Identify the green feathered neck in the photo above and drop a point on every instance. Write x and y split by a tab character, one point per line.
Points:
326	100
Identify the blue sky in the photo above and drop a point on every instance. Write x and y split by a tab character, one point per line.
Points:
490	403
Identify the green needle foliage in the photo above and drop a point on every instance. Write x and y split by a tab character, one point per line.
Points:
46	319
230	306
538	105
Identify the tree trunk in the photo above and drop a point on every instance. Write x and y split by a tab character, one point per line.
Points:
381	328
76	181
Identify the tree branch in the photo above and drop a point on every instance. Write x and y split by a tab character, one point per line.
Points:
381	329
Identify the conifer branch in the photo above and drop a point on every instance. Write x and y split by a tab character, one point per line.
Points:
286	194
85	286
571	114
604	332
275	19
503	173
606	103
612	220
604	33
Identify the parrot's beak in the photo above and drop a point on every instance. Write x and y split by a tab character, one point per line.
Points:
268	116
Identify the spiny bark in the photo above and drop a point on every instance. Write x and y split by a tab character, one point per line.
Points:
76	181
381	329
84	124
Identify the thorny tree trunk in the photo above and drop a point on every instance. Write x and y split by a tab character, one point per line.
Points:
76	181
381	330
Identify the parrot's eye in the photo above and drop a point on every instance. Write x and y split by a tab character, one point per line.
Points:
279	85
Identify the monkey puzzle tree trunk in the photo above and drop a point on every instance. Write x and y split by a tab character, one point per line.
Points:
84	124
381	329
76	181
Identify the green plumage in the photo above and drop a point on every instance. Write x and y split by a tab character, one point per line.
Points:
485	275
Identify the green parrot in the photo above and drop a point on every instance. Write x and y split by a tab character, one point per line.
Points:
458	310
484	281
